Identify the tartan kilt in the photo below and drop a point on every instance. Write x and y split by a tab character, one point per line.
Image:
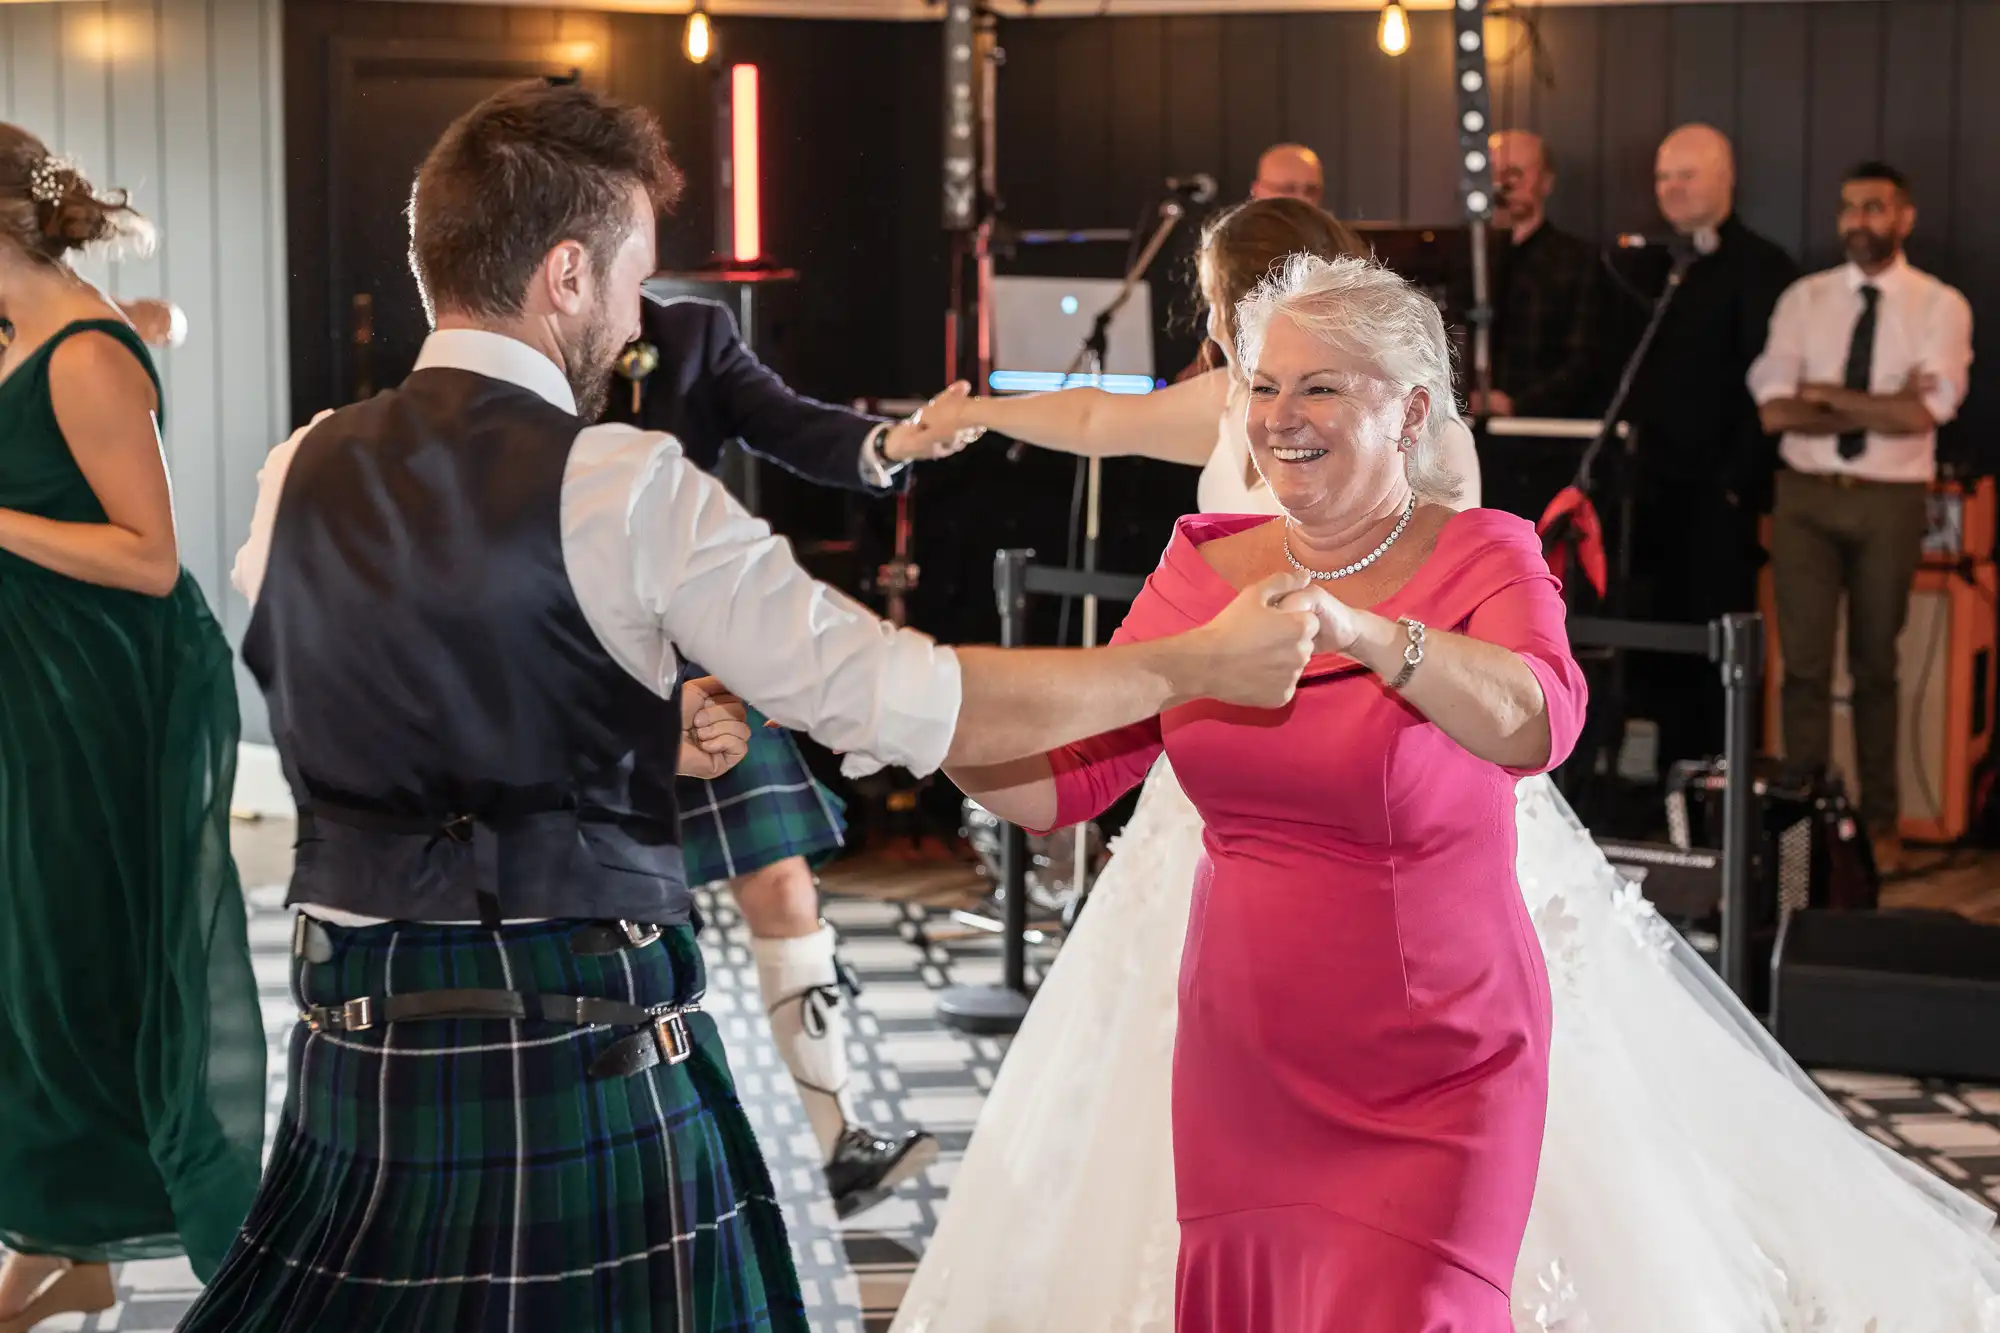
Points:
767	808
467	1176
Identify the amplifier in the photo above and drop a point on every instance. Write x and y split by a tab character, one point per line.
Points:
1685	883
1945	678
1899	992
1806	852
1960	521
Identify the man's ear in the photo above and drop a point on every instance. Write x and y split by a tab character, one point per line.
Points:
564	272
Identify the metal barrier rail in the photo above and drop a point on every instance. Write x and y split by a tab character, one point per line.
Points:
1735	643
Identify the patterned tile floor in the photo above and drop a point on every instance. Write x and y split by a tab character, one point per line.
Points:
910	1071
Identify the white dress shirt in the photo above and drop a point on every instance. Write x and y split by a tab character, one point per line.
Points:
662	557
1921	326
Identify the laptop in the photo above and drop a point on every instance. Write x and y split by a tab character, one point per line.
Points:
1039	325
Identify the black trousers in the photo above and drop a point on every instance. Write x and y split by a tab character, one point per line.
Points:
1695	556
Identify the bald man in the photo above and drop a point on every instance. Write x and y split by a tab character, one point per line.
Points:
1704	462
1548	330
1289	171
1284	171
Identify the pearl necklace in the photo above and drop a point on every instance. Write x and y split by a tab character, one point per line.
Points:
1358	565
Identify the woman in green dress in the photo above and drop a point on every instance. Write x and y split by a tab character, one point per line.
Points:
131	1048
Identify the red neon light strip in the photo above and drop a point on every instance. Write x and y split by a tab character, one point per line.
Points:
743	151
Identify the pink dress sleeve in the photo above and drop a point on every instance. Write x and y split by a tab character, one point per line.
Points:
1092	773
1527	616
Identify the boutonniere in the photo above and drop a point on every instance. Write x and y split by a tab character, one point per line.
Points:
635	363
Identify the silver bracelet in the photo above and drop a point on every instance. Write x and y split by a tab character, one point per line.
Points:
1413	652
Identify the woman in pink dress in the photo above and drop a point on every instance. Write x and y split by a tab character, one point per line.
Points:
1362	1060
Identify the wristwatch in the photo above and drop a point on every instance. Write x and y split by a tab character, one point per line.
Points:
876	468
1413	652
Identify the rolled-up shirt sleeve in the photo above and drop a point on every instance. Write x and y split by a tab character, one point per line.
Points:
1947	356
1781	365
246	574
663	558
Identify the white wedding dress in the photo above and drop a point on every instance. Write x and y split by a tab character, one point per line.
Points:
1693	1179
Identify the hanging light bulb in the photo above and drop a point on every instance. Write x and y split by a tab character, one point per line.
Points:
698	40
1393	33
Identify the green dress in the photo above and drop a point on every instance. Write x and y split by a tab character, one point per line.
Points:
131	1046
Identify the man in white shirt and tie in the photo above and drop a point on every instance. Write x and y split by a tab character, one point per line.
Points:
1864	363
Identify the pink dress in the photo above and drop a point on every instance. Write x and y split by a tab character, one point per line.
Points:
1362	1060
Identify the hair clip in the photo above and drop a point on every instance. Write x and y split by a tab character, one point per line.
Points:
45	183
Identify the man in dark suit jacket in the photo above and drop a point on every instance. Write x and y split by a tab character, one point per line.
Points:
764	824
709	389
1704	463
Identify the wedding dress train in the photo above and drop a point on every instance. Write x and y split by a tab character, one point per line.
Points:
1693	1178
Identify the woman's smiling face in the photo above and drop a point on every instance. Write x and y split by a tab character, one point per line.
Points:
1326	429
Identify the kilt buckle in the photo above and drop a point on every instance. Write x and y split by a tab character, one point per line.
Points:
639	933
357	1015
665	1040
670	1031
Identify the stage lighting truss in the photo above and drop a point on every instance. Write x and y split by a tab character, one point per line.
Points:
1475	165
1475	169
961	119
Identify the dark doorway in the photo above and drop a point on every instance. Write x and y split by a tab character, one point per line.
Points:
387	103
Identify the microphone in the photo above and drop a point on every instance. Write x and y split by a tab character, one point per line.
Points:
1196	189
1681	251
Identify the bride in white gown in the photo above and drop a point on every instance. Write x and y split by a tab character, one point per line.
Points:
1693	1178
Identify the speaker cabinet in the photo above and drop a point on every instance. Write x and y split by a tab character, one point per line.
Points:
1913	993
1945	684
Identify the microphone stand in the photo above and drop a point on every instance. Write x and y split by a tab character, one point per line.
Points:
1092	353
1620	588
1630	373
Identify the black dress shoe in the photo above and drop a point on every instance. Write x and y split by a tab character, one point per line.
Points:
866	1168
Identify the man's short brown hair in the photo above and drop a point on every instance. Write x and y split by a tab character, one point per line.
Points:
528	168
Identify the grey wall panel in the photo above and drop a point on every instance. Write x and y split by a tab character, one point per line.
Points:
178	102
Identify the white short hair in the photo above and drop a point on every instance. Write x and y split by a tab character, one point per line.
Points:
1368	312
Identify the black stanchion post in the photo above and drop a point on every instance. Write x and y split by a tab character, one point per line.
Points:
995	1011
1010	584
1740	653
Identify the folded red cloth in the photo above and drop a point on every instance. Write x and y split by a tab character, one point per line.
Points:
1575	519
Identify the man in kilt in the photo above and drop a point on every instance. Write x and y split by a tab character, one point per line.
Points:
766	824
507	1110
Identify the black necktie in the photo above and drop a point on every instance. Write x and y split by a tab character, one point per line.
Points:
1860	362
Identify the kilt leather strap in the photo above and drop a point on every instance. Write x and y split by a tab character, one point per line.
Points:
665	1042
311	942
369	1011
602	937
664	1038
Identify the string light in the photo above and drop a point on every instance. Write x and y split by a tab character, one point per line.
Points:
1393	33
698	38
